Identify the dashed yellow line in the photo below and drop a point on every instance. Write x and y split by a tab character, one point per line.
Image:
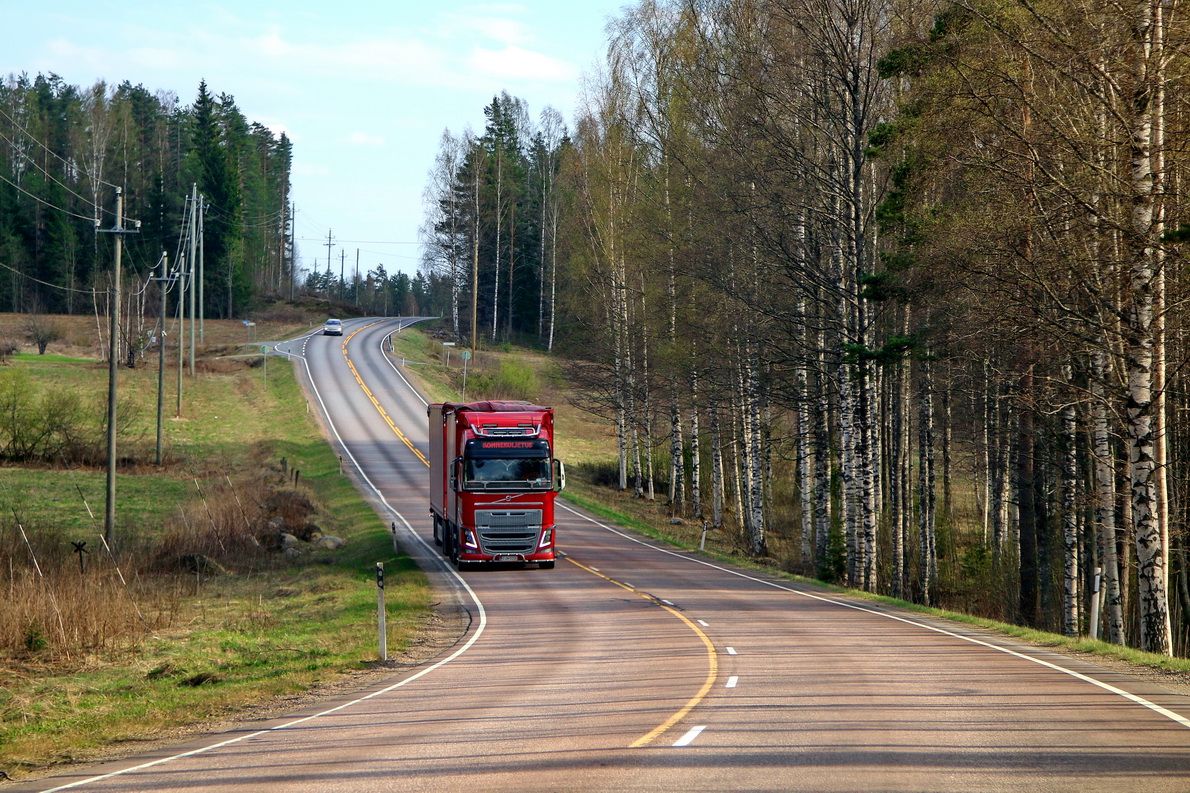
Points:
712	660
372	398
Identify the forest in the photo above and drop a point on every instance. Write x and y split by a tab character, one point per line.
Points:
890	290
64	151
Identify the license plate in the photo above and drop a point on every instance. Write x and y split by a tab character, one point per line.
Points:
507	557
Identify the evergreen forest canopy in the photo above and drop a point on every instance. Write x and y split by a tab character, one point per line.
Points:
66	150
63	152
890	290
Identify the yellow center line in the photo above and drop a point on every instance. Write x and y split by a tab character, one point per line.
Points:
712	660
712	657
373	399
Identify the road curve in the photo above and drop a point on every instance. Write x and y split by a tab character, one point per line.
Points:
636	668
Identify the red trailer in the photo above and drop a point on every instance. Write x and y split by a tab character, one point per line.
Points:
493	480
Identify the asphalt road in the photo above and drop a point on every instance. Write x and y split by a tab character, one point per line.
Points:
636	668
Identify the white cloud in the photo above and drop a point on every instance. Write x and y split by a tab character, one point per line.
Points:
517	63
60	51
496	22
364	139
156	58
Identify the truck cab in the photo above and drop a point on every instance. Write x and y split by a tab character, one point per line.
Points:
493	480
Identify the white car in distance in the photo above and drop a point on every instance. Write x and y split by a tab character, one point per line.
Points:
333	327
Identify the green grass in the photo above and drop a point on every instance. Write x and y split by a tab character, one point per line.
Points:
49	358
59	499
249	638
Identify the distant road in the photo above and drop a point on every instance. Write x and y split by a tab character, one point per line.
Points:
631	667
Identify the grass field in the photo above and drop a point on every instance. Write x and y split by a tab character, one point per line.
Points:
191	648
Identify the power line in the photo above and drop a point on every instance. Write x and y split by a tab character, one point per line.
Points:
363	242
28	277
50	151
51	177
392	255
41	200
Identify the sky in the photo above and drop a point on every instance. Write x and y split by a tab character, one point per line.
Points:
363	89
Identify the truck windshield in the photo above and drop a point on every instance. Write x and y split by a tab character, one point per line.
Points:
496	472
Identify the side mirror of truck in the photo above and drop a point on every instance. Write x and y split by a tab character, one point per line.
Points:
455	465
559	476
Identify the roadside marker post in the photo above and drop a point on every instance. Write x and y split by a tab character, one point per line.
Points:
380	611
1096	596
466	355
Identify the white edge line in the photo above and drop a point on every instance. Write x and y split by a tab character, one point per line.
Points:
1136	698
483	619
730	650
395	369
689	737
731	681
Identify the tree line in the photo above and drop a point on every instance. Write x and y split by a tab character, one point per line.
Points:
491	231
65	149
888	289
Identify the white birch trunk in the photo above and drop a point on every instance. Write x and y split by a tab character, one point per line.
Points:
869	480
756	523
677	467
1070	524
1105	502
499	220
695	451
822	476
985	454
1140	425
898	483
716	468
805	459
926	514
744	467
847	456
650	492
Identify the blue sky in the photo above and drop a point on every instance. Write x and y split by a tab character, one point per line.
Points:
364	89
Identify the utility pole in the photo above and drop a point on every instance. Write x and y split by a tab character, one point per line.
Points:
202	311
161	282
355	282
292	250
109	516
181	327
342	283
193	259
328	263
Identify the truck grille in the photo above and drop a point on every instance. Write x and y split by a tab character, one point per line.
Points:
508	530
508	431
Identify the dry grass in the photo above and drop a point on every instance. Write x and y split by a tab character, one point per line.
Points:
197	613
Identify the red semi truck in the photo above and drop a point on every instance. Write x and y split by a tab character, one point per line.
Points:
493	479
